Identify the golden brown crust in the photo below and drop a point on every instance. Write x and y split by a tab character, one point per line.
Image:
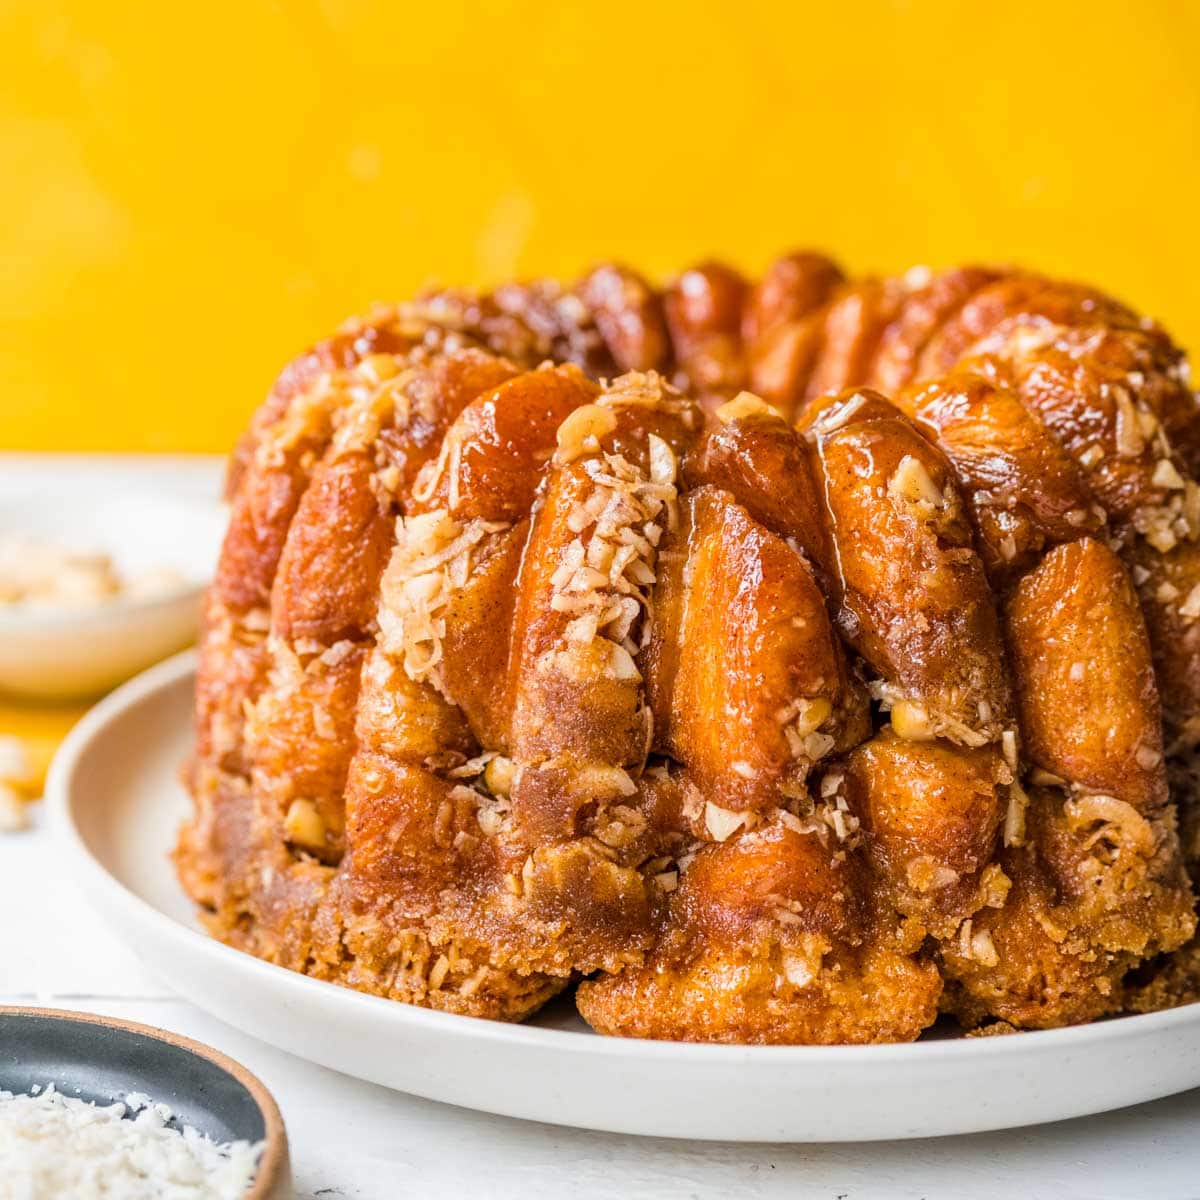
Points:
514	671
1081	661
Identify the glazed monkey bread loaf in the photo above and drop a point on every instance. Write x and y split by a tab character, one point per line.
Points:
780	663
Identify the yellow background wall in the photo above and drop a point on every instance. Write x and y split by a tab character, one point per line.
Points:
189	194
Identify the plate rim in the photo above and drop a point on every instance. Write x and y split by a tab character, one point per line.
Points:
983	1050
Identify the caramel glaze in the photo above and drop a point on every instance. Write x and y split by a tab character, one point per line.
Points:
634	637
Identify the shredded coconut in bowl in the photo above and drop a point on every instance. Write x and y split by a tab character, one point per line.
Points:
53	1146
46	575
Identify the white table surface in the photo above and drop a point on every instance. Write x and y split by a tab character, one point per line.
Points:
355	1140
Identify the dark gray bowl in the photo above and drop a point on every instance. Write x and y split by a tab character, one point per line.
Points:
102	1059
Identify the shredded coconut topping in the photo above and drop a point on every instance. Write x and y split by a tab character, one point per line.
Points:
604	582
1117	821
581	432
56	1145
431	561
1014	818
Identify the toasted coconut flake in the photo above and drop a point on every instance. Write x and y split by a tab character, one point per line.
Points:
438	975
604	582
745	404
472	984
1008	745
1044	778
964	938
581	431
663	466
430	562
1128	433
983	949
1014	817
836	416
1119	822
831	783
835	816
601	781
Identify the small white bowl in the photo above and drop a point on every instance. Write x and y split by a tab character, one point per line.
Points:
63	653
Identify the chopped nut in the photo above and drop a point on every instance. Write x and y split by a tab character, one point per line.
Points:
721	823
910	720
994	886
798	969
303	826
499	775
1147	757
1166	476
925	874
911	483
1190	608
811	714
983	949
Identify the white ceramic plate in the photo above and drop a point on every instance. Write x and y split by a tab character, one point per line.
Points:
143	520
116	803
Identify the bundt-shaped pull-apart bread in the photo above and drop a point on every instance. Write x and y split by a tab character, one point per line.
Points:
786	662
